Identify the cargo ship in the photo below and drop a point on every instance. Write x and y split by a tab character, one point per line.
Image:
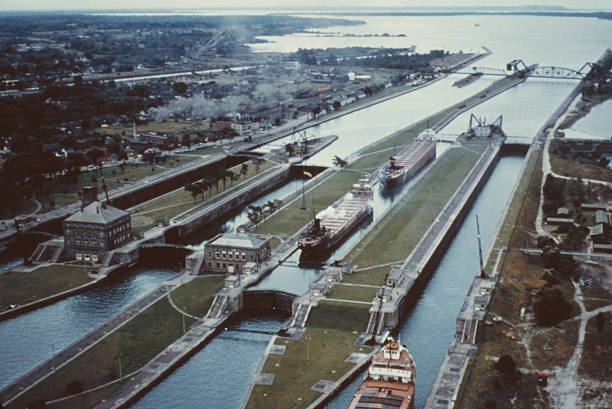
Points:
331	225
407	163
389	382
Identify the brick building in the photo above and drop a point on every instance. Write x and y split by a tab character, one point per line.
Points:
229	252
96	229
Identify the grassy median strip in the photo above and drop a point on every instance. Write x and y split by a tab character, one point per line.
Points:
62	193
417	211
22	288
353	293
329	340
180	200
135	344
195	297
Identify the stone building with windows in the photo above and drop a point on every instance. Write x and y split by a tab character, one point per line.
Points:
229	252
96	229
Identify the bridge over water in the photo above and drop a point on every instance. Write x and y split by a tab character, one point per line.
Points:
549	71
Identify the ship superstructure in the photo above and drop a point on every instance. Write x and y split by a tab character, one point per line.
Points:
389	382
331	225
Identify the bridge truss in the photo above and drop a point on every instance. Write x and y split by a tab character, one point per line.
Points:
551	72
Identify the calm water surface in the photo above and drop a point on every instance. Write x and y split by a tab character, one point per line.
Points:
596	125
219	375
31	338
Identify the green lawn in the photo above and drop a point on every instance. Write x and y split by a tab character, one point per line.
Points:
137	342
329	340
195	297
22	288
354	293
180	200
419	208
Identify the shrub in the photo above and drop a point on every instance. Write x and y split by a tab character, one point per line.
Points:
551	307
74	387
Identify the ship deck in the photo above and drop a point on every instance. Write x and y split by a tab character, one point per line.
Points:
413	152
383	394
343	213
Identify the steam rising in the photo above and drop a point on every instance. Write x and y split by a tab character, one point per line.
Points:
200	107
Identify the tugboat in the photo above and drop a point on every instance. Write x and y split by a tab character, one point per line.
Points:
389	382
331	225
409	161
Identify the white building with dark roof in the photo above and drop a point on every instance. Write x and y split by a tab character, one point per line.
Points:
96	229
229	252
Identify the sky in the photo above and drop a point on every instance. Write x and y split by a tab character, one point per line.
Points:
16	5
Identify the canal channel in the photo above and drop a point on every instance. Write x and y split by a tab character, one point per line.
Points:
219	374
33	337
439	304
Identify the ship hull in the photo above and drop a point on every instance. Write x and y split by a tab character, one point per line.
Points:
324	247
415	163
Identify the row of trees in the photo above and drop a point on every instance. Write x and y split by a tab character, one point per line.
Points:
216	175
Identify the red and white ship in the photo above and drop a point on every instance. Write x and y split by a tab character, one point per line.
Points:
389	382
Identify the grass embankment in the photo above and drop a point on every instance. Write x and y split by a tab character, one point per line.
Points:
196	296
22	288
180	200
344	321
135	344
329	339
575	159
61	194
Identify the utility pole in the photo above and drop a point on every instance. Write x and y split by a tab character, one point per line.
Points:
308	350
482	272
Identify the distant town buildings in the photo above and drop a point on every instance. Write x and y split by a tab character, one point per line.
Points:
292	65
230	252
96	229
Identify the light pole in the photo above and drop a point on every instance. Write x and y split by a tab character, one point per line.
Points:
308	350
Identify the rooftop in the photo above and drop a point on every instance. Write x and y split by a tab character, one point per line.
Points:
241	240
97	213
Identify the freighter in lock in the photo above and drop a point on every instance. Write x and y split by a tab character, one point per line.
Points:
407	163
333	224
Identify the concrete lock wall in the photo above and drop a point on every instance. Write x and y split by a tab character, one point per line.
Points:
256	189
409	299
